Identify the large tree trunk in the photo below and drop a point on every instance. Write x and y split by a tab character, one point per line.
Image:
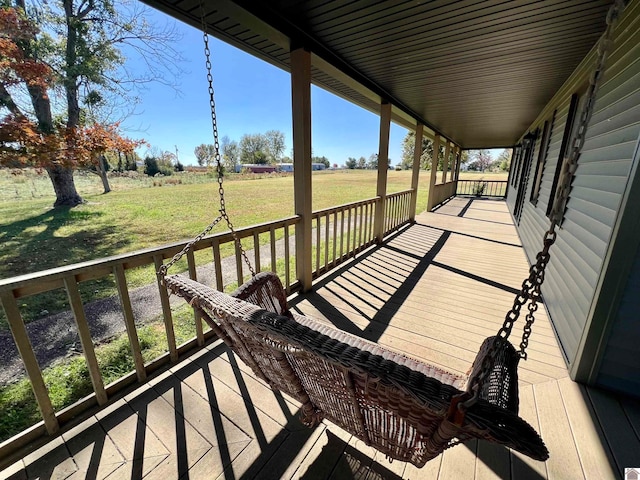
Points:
103	174
64	186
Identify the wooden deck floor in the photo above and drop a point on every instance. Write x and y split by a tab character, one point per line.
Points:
434	290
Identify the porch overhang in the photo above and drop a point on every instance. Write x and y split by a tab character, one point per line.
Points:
476	72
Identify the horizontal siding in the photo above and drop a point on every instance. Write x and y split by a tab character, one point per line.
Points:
599	183
620	367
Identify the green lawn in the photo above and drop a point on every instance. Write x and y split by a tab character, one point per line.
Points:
36	237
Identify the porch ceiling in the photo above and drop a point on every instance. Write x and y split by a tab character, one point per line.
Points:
478	72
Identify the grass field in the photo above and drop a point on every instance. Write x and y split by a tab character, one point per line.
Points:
135	215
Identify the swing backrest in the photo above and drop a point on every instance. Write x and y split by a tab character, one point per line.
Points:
392	402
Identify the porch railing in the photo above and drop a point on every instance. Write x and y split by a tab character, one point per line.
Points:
115	268
340	233
397	210
482	188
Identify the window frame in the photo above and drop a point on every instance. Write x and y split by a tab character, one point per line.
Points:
547	133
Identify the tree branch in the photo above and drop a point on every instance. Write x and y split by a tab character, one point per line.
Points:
7	101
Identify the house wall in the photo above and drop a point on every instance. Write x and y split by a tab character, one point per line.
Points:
620	366
602	177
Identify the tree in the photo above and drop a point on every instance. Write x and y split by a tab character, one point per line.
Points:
504	160
230	153
362	163
481	159
253	148
408	144
351	163
205	153
66	52
275	144
373	161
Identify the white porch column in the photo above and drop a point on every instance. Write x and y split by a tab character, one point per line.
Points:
383	168
434	172
415	175
301	109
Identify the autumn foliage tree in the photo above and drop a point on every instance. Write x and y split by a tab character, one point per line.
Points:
72	57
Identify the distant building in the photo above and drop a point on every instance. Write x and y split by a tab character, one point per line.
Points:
280	167
256	168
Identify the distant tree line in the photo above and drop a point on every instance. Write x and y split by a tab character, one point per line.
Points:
478	160
362	163
253	148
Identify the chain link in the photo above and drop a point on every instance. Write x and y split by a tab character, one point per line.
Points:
162	272
531	286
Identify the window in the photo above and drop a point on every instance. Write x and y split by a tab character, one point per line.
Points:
547	131
515	165
567	139
524	169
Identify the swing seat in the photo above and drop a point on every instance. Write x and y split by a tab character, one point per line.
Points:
400	406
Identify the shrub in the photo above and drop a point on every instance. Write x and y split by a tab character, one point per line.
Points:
153	167
478	188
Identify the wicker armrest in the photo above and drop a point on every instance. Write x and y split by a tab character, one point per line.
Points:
266	291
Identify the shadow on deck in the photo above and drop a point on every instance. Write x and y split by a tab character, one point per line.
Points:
434	290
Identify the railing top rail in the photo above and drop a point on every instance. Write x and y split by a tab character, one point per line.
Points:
402	192
481	180
49	279
344	206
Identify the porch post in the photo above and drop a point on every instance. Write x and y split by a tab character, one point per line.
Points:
445	161
383	168
301	110
434	172
417	154
458	157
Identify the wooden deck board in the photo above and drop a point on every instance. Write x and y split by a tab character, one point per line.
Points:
586	432
434	291
619	433
556	431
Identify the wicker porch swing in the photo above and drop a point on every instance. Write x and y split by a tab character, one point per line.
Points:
406	409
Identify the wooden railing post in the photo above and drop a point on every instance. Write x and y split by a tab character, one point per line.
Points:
75	300
129	321
383	168
166	312
445	162
434	172
301	109
415	174
31	365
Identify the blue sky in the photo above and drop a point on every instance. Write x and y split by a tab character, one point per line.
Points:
252	96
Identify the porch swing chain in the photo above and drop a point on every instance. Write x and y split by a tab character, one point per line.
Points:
162	272
531	287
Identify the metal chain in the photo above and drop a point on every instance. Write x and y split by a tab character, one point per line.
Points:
531	287
162	272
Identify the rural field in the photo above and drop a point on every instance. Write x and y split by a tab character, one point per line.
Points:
137	214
